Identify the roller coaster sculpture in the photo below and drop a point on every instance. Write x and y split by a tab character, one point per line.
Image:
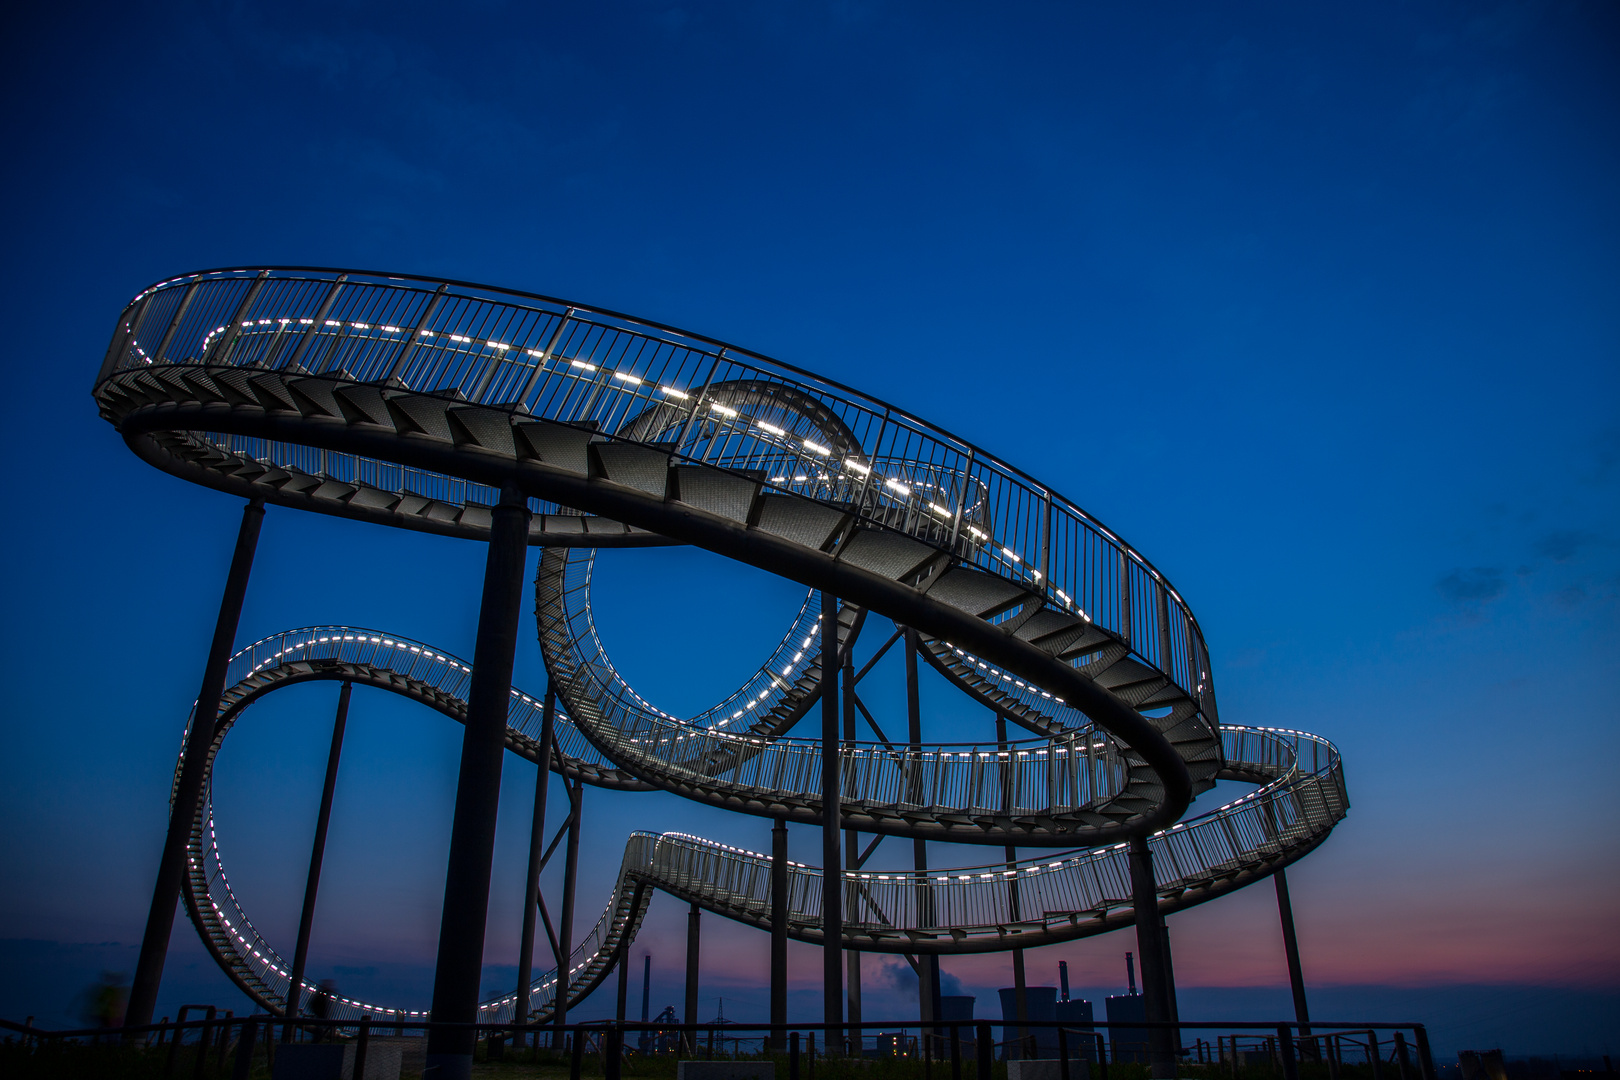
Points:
415	403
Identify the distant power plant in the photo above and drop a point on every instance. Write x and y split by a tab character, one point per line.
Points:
1044	1004
1128	1043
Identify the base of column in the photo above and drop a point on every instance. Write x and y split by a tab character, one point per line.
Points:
448	1067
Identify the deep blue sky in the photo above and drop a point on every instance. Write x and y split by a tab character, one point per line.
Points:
1315	305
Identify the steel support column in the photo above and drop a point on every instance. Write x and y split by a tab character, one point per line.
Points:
779	940
1172	1007
694	941
832	893
188	792
1150	947
537	843
852	862
626	939
928	1003
565	922
478	790
1020	986
1296	975
312	883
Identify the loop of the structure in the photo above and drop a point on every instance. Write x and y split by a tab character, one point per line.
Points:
414	403
1048	898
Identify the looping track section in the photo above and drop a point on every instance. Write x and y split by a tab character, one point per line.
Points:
417	403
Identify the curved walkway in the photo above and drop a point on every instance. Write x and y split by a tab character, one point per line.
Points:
416	403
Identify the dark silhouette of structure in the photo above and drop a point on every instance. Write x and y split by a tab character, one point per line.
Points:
521	421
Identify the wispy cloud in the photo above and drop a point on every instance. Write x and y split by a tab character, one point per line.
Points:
1475	585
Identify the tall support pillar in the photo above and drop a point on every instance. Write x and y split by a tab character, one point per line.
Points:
478	790
832	892
1296	975
565	922
694	939
1020	987
1150	947
1172	1007
627	939
779	921
312	883
928	1003
188	792
537	843
852	863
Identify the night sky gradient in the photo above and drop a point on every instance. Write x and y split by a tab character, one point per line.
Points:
1316	305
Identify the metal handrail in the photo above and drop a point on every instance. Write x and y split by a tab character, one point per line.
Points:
1302	798
589	367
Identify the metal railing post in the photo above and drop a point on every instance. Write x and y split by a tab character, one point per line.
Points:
243	1067
162	351
1425	1058
203	1035
407	348
224	1041
1402	1056
220	351
362	1042
612	1039
697	402
985	1050
310	335
1285	1049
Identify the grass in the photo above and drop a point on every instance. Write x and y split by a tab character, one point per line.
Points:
113	1061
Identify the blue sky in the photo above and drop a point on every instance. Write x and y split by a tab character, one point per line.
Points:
1315	306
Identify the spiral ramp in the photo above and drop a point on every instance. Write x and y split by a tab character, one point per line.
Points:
415	404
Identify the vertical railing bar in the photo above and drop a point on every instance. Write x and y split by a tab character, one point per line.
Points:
221	350
319	321
162	351
407	348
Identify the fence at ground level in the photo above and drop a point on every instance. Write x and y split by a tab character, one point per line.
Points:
962	1046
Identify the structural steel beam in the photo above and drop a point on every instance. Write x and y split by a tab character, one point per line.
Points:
832	898
478	790
537	839
312	883
188	792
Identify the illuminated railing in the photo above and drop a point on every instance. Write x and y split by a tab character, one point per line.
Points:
1300	797
699	399
1045	777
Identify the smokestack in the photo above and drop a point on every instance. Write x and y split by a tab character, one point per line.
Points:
1063	979
1130	972
646	986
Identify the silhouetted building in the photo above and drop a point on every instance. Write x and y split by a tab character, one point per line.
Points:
956	1007
1127	1043
1040	1004
1076	1014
